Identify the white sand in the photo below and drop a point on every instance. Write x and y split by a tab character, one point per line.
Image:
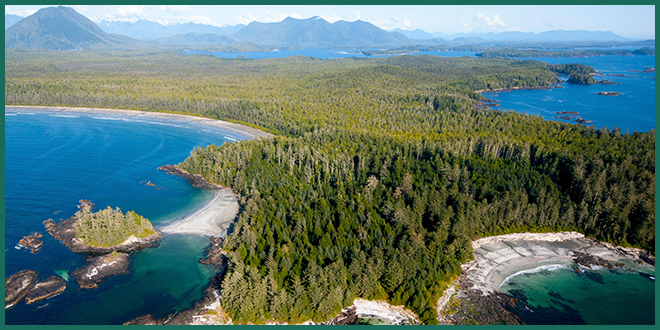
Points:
498	257
211	220
246	131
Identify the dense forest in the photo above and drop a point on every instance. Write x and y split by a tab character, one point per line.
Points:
110	227
381	171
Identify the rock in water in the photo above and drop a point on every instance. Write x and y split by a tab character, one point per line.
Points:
32	242
17	286
101	267
45	289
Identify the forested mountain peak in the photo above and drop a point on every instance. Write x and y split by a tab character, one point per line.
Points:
60	28
316	32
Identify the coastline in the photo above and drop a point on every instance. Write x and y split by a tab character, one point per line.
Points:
213	219
243	130
499	258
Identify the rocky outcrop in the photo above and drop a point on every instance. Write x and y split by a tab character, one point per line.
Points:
101	267
17	286
32	242
649	70
144	320
214	254
45	289
65	231
195	180
608	93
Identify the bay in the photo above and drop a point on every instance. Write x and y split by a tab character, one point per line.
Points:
54	159
632	111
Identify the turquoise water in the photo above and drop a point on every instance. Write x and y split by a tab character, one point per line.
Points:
559	295
52	160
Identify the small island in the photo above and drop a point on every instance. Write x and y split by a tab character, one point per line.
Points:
104	231
609	93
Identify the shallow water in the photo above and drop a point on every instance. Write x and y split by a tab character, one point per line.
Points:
52	160
556	294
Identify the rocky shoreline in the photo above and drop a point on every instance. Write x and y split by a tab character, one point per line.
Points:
509	89
195	180
45	289
100	267
474	298
65	231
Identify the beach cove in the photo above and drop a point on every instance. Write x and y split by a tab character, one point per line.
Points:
509	264
112	157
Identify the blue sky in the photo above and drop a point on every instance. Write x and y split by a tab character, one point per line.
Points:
628	21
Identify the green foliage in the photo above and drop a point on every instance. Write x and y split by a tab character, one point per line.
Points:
383	170
582	79
110	227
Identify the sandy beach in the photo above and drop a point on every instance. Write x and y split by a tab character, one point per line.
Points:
246	131
498	257
211	220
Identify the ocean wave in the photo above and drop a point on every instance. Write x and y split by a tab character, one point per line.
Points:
228	138
545	268
10	114
106	118
27	113
64	116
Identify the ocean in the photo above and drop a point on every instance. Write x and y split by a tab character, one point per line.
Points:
632	111
52	160
557	294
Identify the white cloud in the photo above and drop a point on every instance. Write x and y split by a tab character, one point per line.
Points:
177	9
357	15
22	13
494	23
391	24
199	19
127	13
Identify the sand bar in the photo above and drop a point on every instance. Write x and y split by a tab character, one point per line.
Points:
243	130
213	219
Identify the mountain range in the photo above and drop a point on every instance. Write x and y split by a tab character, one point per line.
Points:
65	29
144	29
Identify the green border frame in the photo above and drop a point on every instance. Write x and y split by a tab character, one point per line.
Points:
335	2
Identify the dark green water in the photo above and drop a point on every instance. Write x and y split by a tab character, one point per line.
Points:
556	294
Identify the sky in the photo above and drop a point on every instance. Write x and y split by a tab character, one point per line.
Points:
635	21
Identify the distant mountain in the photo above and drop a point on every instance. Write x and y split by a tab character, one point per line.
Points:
144	29
198	38
548	36
316	32
415	34
59	28
11	19
579	36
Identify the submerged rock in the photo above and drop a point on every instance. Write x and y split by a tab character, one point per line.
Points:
45	289
101	267
17	286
